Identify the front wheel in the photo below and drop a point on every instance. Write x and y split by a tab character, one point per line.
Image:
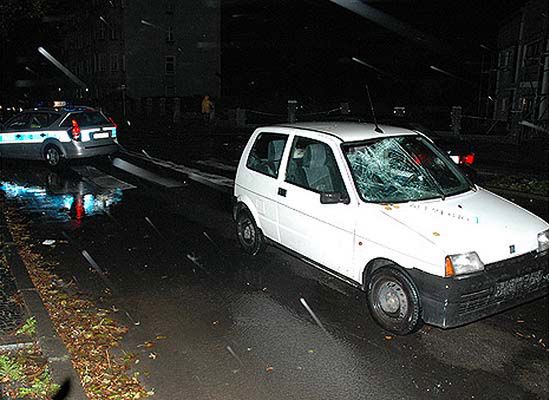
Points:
249	235
394	301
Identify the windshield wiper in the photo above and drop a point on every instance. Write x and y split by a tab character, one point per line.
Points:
423	171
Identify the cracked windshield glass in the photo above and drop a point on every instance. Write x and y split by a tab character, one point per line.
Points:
400	169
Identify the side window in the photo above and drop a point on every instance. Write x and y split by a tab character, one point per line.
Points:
266	153
18	122
39	120
312	166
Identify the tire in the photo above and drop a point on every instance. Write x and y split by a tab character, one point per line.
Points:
53	156
394	301
249	235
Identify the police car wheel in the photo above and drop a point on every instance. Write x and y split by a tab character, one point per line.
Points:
394	301
53	156
249	235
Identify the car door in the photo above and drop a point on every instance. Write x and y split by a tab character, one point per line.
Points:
12	136
322	232
259	181
37	133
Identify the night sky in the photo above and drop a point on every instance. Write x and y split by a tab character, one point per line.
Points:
278	49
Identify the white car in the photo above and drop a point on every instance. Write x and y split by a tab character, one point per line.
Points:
387	211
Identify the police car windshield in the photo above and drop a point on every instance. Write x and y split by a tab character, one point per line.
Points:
403	168
86	118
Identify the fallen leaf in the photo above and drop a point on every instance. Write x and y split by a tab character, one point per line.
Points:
270	369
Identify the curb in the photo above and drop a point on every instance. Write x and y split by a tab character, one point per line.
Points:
53	348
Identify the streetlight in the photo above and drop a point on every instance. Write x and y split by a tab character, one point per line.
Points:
451	75
61	67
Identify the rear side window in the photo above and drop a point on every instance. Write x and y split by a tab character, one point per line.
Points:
86	118
266	153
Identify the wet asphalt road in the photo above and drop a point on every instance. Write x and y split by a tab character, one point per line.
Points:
235	327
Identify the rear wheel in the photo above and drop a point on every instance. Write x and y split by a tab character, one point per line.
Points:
394	301
249	235
53	156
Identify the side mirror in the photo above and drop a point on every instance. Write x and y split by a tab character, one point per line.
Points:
334	198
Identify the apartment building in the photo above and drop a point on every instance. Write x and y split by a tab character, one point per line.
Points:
522	85
140	49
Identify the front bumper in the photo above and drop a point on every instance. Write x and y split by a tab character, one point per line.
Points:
450	302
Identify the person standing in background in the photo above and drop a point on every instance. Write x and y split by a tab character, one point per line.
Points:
207	109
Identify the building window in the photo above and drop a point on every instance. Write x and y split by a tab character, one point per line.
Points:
101	30
170	35
102	61
115	66
504	104
532	52
504	58
170	65
170	7
170	91
124	62
114	32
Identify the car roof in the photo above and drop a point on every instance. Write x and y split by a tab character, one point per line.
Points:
64	109
351	131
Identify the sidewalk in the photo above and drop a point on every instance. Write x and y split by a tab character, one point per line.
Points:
53	349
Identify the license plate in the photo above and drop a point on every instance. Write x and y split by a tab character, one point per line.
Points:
101	135
521	284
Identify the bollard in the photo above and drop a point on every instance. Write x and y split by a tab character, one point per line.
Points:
455	117
292	108
240	117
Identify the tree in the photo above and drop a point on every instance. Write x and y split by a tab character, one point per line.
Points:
13	12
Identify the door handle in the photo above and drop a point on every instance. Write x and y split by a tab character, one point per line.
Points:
42	135
282	192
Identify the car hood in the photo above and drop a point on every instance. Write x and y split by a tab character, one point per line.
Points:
474	221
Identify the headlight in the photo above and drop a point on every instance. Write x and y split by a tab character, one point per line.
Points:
543	241
459	264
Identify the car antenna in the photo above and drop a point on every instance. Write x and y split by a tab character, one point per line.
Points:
377	129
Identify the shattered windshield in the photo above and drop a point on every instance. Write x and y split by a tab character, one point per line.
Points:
403	168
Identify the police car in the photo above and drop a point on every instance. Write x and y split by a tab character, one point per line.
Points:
58	134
